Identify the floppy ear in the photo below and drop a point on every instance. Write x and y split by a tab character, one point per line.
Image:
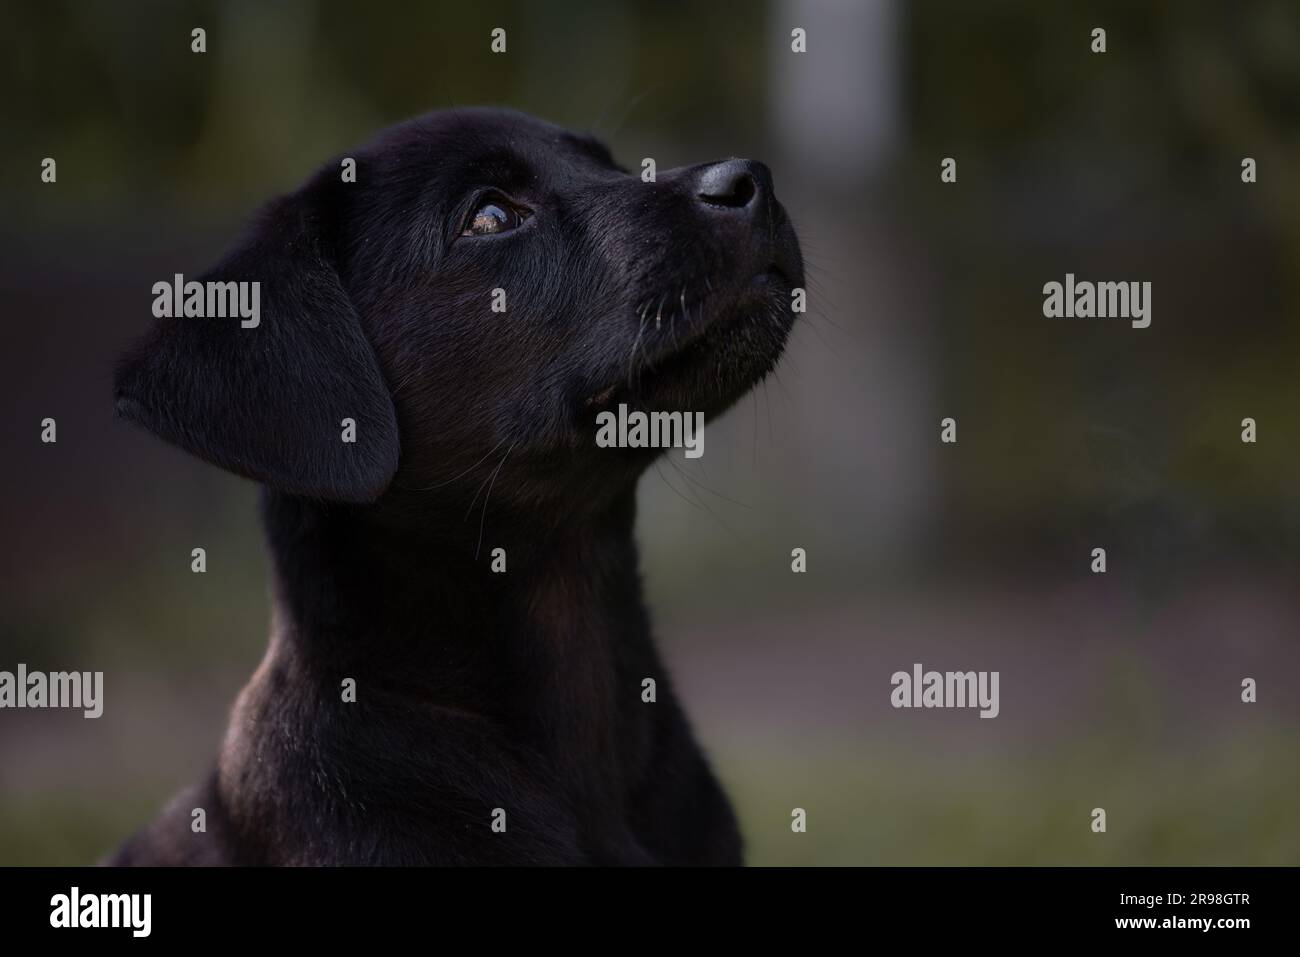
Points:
268	401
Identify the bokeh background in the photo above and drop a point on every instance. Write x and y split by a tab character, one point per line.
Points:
1119	690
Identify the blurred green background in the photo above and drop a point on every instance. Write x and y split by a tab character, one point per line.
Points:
1119	690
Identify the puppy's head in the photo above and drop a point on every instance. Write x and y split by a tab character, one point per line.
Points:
487	285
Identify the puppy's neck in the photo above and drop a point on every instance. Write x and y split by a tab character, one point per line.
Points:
549	652
359	590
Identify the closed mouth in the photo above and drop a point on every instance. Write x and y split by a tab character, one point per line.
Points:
684	349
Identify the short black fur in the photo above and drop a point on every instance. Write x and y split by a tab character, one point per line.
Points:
475	430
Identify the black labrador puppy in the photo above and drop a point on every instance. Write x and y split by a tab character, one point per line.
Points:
459	654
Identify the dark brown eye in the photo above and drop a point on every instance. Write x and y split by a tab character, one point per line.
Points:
497	216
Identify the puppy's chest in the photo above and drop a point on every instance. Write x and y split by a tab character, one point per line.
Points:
588	662
616	743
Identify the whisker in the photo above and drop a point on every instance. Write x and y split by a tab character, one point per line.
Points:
674	488
631	362
430	488
700	504
483	519
696	482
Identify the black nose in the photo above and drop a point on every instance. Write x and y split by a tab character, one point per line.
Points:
734	184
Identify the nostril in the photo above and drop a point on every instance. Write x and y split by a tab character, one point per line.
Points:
736	192
740	191
728	184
